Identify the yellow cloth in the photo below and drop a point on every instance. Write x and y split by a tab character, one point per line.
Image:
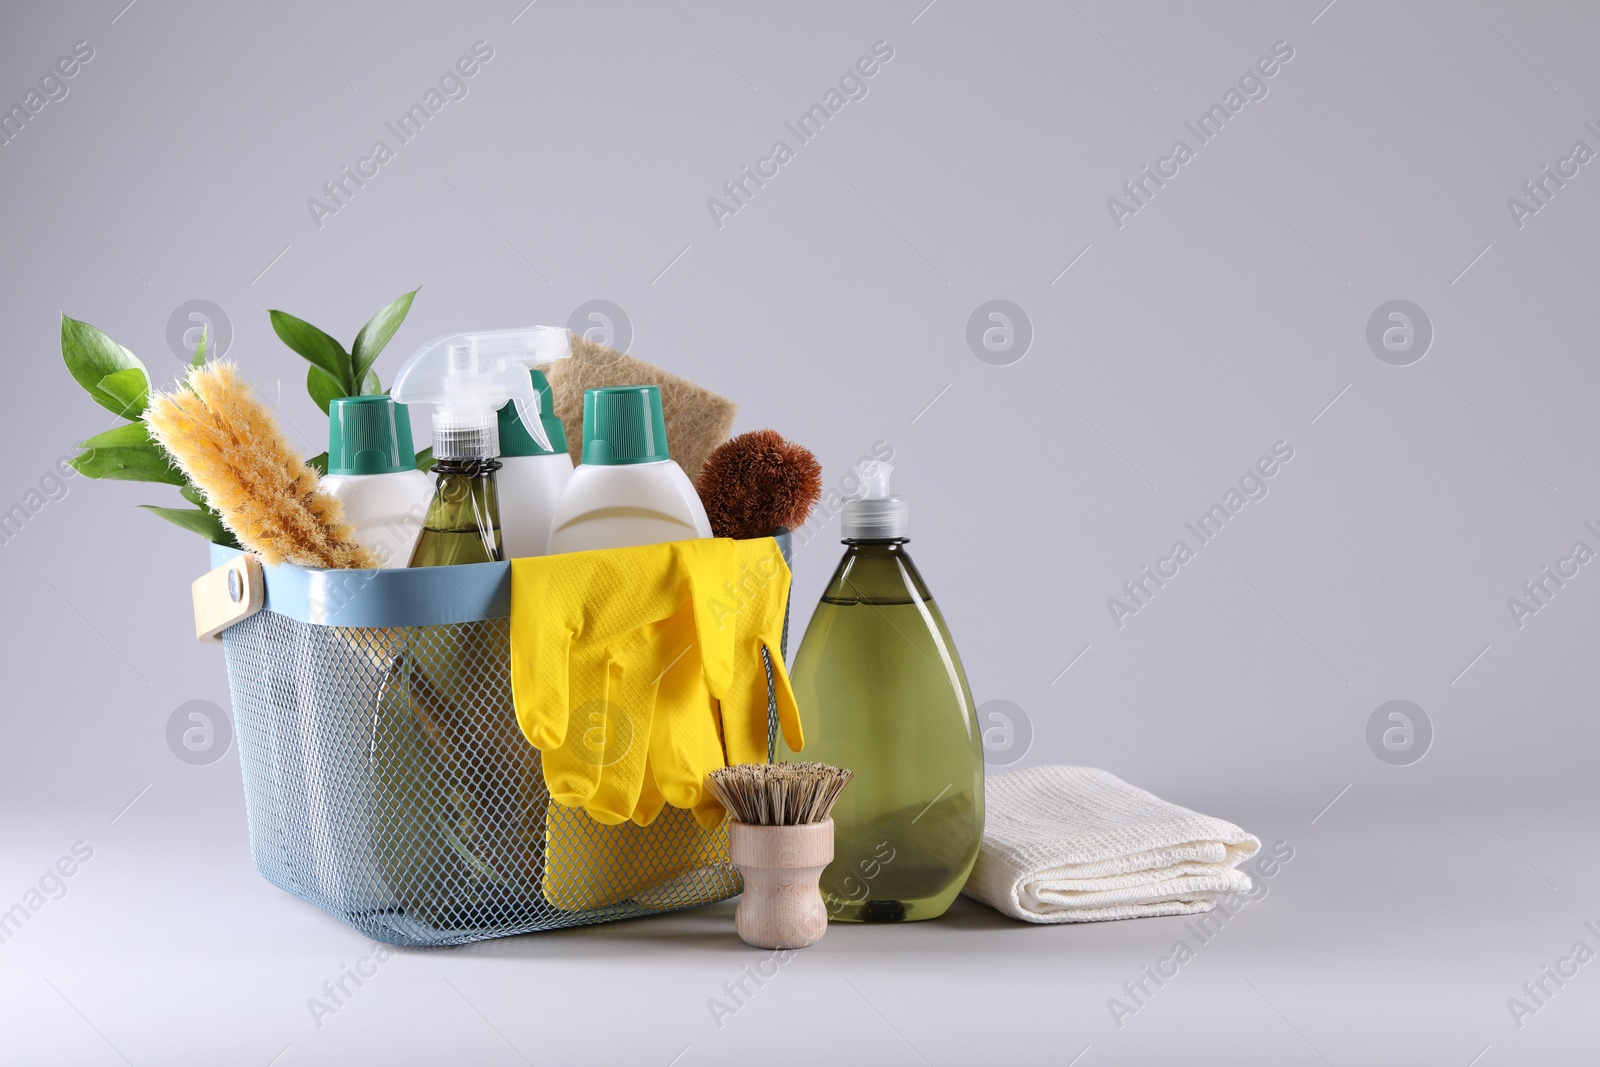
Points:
632	667
670	864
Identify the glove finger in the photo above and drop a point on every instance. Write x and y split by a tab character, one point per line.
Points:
572	769
706	564
650	799
788	709
627	708
540	647
684	746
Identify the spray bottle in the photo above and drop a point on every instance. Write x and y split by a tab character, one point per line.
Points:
469	377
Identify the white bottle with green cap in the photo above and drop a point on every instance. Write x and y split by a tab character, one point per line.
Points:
532	476
627	491
372	472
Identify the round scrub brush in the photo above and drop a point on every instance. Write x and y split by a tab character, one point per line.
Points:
757	484
781	838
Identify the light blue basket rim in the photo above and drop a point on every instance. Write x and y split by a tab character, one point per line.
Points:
426	596
378	599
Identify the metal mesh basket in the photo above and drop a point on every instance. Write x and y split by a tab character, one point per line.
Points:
387	781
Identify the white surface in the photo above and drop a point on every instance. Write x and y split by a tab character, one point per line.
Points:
168	949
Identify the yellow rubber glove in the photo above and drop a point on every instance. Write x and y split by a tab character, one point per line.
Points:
685	745
751	604
743	616
594	635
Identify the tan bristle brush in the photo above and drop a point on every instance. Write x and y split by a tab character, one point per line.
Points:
781	838
235	453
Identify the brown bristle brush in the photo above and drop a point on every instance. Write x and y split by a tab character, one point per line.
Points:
781	838
757	484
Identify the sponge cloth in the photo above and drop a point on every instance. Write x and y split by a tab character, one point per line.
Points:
697	419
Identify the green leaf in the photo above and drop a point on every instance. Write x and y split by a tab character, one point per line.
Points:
193	495
319	463
127	454
131	435
377	332
126	392
323	389
425	459
91	357
133	464
199	359
195	520
323	351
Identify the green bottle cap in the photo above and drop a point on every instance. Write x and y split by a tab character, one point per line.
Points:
369	435
623	424
515	440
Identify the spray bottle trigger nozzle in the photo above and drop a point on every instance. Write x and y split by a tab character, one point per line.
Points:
526	399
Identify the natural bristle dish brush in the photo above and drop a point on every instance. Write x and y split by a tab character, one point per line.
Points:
781	838
236	454
757	484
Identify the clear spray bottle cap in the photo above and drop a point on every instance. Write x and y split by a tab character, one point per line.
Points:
875	515
469	377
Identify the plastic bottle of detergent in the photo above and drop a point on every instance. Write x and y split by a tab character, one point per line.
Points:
468	378
372	472
532	476
627	491
881	690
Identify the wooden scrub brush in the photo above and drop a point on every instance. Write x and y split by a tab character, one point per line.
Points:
781	838
235	453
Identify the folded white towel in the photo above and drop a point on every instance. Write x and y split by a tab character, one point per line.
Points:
1077	844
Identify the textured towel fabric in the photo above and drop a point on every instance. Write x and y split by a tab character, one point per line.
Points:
1077	844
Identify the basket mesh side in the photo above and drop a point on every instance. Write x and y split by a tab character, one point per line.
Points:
387	782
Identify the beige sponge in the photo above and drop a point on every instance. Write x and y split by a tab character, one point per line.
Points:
697	419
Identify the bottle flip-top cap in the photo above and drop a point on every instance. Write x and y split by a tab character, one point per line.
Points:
875	515
469	377
515	440
369	435
623	424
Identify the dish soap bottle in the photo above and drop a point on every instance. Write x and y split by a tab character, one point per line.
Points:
881	691
469	377
627	491
372	472
532	475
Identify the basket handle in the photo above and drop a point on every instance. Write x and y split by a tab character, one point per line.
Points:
228	596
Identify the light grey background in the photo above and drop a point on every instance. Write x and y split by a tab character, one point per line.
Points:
1228	314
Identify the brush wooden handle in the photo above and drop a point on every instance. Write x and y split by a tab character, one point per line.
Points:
782	905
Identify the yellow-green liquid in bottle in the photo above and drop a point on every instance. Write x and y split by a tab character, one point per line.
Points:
463	523
882	692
